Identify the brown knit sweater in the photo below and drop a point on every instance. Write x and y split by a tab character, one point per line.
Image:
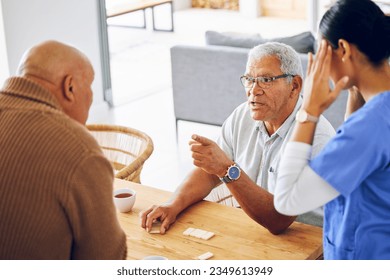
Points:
55	184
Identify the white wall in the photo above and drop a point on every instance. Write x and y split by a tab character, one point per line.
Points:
250	8
312	15
4	71
181	4
73	22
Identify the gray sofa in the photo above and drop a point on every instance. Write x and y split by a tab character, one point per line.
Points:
206	85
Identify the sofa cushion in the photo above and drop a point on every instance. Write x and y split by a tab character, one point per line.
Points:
302	43
233	39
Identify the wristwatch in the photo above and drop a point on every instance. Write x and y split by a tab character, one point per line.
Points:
303	116
233	173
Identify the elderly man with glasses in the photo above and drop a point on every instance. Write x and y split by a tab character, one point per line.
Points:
246	158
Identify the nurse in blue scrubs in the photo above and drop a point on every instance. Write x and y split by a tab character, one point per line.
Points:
351	176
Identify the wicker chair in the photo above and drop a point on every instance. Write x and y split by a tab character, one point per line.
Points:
222	195
126	148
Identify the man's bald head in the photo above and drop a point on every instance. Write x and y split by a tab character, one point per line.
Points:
65	72
52	61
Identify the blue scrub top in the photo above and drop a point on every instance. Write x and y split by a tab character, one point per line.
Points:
356	162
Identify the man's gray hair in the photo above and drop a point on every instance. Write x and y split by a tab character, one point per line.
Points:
290	63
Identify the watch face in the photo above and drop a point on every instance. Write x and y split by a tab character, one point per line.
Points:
234	172
301	116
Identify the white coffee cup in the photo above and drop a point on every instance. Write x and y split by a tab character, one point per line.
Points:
124	199
161	258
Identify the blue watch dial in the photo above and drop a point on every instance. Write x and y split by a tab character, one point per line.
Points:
234	172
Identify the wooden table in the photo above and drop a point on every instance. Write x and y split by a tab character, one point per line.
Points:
237	237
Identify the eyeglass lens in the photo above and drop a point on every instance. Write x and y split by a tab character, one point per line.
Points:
261	82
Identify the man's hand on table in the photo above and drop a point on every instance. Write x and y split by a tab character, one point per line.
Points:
163	213
208	156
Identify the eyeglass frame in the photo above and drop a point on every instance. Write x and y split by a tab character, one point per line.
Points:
271	80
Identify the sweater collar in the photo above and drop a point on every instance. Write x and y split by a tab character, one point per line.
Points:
25	88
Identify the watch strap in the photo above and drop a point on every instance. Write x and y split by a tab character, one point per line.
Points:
311	118
225	179
303	116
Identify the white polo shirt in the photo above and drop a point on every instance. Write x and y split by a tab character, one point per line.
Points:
247	142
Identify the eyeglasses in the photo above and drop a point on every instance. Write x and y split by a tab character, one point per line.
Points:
263	82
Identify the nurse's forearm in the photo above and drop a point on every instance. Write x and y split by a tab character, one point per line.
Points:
299	189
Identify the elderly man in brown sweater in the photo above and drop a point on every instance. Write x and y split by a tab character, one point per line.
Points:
55	184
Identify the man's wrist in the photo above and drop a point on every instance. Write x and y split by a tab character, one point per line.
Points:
176	206
224	169
233	173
